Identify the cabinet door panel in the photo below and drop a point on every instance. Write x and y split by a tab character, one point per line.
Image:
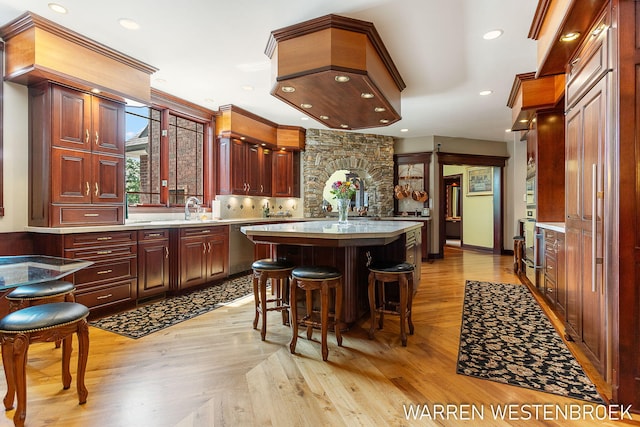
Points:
218	257
107	126
153	268
282	174
193	262
70	176
253	169
238	167
266	168
71	114
108	179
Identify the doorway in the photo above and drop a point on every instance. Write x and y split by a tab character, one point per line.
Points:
483	180
453	209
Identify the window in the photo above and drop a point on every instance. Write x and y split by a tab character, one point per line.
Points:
165	157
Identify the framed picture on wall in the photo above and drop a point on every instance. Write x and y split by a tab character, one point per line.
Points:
480	181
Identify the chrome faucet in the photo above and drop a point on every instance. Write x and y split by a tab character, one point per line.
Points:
187	212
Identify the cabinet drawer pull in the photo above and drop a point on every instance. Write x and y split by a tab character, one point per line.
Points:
166	252
97	189
97	138
88	189
154	235
104	238
209	246
104	252
104	296
105	272
91	214
86	136
205	231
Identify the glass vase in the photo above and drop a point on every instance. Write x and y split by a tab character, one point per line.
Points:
343	210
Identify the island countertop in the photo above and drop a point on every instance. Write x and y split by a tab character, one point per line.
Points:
331	230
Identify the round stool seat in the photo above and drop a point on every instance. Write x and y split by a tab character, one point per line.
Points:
50	289
316	272
41	317
392	267
272	264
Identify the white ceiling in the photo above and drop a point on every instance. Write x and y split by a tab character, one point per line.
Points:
208	50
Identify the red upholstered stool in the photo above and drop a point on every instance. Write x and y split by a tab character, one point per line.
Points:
309	279
390	272
41	293
42	323
277	272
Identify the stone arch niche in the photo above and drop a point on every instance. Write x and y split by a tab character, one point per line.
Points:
371	156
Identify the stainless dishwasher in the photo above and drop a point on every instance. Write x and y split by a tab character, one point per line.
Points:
240	250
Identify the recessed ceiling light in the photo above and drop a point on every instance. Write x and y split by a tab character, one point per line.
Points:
343	126
95	90
248	88
404	130
304	118
324	117
342	79
507	130
306	105
159	80
242	138
383	121
288	89
523	121
493	34
57	8
366	95
129	24
485	92
379	109
569	37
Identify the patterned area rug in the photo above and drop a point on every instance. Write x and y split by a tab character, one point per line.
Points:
506	337
156	316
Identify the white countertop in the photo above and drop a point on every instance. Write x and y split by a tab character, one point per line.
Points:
554	226
332	230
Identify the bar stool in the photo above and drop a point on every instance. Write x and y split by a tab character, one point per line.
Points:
518	251
278	272
391	272
309	279
41	293
42	323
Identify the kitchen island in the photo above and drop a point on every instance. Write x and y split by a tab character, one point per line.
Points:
345	247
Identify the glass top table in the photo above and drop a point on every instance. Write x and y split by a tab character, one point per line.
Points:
25	270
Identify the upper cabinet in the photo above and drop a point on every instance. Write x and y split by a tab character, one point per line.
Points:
76	143
257	157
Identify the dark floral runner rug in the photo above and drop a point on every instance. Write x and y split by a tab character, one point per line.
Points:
156	316
506	337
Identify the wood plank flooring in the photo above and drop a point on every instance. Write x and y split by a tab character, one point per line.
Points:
214	370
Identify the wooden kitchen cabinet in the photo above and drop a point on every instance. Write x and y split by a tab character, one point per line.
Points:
76	158
153	262
286	174
244	168
203	255
553	280
112	279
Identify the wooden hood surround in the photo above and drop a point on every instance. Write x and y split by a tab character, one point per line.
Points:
529	94
38	49
310	59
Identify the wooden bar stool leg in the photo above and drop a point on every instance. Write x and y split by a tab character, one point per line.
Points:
83	357
256	298
324	318
338	314
403	308
410	303
66	361
381	303
294	314
7	364
282	300
372	303
263	304
20	347
309	305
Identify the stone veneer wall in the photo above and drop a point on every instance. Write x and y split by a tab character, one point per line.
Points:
327	151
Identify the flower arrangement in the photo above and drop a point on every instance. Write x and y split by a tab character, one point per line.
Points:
343	189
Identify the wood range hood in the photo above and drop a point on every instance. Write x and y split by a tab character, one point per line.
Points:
336	70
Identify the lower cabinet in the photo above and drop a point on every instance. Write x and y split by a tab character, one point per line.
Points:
203	255
153	263
553	279
112	278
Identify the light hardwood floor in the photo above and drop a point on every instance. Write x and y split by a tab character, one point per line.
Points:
214	370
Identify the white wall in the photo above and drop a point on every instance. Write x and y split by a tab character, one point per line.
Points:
15	158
